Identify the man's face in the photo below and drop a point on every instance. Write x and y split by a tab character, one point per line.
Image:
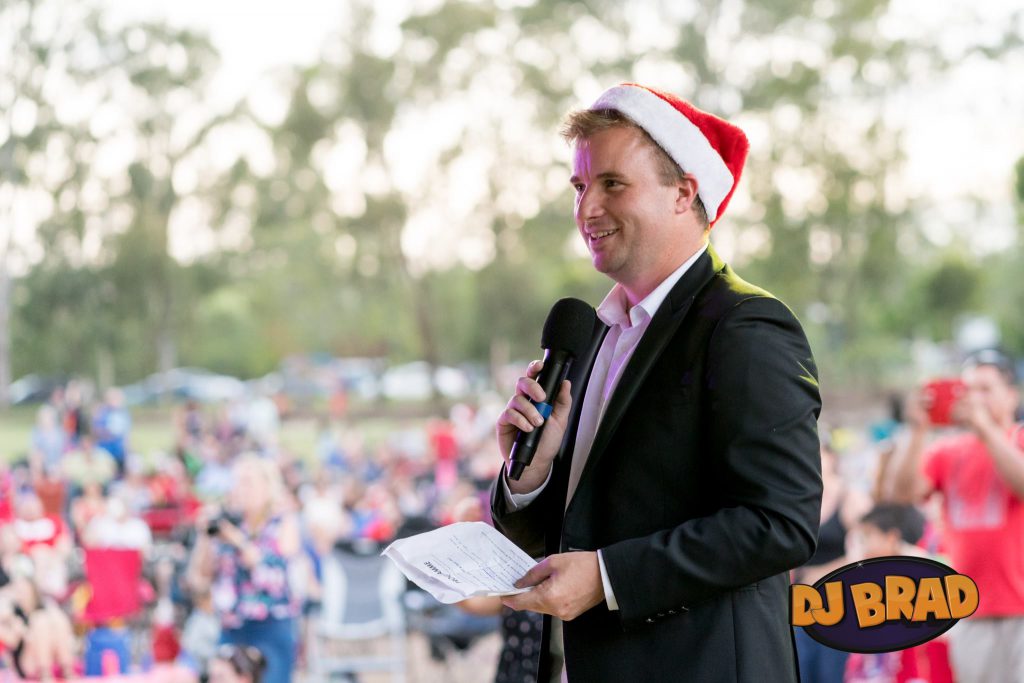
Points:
624	213
987	385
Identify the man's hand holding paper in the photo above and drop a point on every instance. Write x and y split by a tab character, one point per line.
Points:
564	585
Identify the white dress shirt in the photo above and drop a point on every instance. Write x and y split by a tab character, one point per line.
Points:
626	326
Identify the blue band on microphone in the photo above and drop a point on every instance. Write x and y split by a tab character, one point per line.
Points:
543	408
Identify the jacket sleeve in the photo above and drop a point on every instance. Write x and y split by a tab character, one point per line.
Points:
761	385
525	526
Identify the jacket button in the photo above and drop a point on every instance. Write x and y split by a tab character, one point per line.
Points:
650	620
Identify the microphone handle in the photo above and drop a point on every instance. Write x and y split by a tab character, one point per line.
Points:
556	367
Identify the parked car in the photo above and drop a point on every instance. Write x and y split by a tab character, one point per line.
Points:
412	381
184	384
33	389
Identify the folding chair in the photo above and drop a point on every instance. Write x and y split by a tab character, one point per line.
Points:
361	625
116	590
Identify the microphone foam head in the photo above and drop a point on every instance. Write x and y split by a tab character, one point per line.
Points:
569	327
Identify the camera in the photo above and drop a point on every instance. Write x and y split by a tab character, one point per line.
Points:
213	526
940	397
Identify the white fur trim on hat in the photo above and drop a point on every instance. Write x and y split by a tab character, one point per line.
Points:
678	136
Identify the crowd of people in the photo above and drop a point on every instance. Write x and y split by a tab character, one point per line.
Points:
971	457
230	530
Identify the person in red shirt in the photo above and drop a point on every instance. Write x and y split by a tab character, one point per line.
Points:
980	473
44	539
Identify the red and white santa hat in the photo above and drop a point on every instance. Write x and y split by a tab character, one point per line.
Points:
711	149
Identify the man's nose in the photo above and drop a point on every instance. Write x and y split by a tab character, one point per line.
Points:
589	205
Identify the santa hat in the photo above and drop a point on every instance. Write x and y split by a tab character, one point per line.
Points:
709	148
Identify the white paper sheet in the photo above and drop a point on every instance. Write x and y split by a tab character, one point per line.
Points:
460	561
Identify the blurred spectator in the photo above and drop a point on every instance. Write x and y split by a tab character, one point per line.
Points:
8	486
72	412
893	529
215	477
166	642
35	632
376	515
117	527
134	489
48	440
841	507
887	529
44	539
88	463
328	448
201	633
445	450
189	423
245	566
111	425
236	664
90	504
980	472
52	490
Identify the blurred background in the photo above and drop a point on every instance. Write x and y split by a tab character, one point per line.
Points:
226	187
334	230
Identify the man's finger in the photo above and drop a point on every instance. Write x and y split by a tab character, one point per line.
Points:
528	410
511	416
532	600
564	399
536	575
527	386
517	602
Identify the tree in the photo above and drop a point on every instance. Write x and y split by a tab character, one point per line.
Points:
98	95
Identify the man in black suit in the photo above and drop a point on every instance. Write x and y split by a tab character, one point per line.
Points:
678	477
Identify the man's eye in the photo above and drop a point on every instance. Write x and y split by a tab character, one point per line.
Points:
611	183
578	187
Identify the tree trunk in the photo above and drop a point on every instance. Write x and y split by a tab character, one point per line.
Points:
104	368
5	333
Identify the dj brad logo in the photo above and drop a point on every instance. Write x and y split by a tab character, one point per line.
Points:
883	604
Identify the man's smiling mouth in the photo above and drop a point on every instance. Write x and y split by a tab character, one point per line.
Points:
597	236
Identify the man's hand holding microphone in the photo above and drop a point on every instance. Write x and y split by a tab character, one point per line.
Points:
521	415
530	432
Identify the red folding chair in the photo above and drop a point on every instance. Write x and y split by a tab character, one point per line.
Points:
115	582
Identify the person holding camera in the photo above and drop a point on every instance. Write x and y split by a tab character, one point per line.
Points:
243	562
980	472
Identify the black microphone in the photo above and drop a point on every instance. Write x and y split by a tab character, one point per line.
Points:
566	336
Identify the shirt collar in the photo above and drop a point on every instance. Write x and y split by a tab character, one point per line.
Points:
612	311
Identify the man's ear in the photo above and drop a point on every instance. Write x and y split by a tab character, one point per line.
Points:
686	193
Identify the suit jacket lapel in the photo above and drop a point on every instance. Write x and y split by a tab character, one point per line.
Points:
662	328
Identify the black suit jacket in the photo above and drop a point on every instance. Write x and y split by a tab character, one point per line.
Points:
702	489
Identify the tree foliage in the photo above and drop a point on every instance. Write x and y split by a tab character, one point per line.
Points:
411	201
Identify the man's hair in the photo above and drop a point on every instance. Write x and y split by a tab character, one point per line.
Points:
996	359
585	123
905	519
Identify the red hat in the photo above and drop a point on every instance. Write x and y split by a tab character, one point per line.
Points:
711	149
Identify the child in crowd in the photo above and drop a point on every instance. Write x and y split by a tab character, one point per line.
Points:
893	529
